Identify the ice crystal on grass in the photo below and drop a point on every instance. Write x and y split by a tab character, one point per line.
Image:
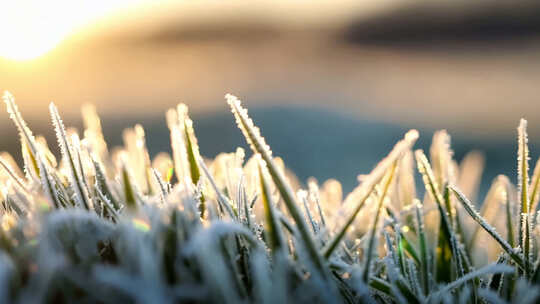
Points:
100	227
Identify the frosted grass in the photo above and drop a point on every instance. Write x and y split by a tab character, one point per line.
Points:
122	227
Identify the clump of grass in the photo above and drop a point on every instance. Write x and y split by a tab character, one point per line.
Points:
120	227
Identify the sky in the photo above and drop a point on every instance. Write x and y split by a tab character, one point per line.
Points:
30	28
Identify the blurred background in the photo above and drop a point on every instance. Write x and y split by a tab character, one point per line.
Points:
332	84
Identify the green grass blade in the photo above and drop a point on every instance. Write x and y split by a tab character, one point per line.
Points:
129	191
382	286
221	198
406	244
273	231
48	184
302	196
497	194
443	256
387	181
449	239
7	168
243	200
523	166
314	192
24	132
179	154
192	147
362	193
523	183
68	155
110	209
31	166
192	150
488	269
535	187
401	254
488	228
258	145
28	141
103	186
424	255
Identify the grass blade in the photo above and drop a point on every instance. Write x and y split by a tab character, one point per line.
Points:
535	187
523	184
161	183
68	155
192	149
488	228
386	185
222	199
489	269
275	236
424	256
362	193
258	145
433	188
102	185
14	177
523	166
28	142
48	185
129	191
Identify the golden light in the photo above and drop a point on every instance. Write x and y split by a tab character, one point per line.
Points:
30	28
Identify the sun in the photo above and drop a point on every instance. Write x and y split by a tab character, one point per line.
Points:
31	28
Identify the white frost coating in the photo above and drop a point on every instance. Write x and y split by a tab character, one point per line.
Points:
221	198
237	263
369	181
413	277
12	174
407	186
534	187
27	138
251	132
189	132
181	128
258	145
361	193
16	116
428	176
161	183
441	156
178	146
488	269
48	184
66	149
523	165
489	229
523	184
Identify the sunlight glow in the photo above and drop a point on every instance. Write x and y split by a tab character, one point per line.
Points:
30	28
